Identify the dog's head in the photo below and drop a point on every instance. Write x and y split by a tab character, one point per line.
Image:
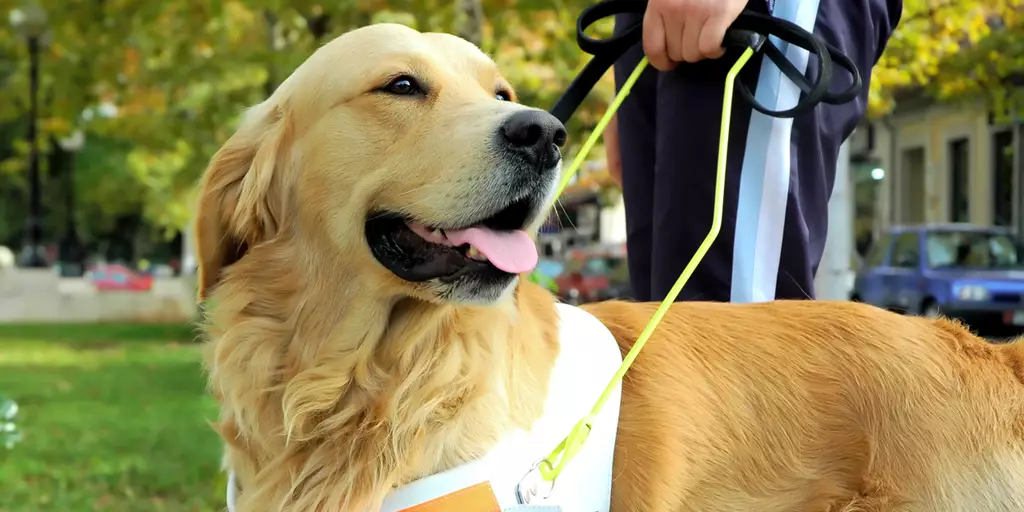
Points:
400	155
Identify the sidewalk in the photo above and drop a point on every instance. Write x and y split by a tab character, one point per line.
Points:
39	296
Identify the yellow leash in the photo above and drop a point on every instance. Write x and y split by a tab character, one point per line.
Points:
555	462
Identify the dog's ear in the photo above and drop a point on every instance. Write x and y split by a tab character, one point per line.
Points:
240	201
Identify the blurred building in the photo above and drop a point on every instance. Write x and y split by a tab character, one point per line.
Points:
590	214
930	162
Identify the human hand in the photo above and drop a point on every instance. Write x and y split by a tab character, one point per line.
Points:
677	31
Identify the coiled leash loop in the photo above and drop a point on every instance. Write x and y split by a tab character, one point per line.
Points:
752	31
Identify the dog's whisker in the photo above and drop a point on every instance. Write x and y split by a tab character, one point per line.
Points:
566	216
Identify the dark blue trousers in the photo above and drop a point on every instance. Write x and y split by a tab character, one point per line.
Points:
780	171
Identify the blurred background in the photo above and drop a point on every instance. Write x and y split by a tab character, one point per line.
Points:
110	110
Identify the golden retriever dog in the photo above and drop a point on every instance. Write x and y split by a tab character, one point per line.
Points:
360	239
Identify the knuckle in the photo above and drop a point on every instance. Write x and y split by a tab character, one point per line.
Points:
678	8
709	47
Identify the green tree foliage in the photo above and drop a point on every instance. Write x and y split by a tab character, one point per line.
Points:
180	72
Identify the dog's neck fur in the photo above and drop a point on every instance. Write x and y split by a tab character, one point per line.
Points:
357	392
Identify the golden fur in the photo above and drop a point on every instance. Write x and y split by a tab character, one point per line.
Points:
815	406
338	381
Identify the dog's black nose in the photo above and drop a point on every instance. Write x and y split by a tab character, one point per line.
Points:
536	135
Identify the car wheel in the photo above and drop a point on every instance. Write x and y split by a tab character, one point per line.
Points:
930	309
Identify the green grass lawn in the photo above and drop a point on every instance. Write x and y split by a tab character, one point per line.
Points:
113	417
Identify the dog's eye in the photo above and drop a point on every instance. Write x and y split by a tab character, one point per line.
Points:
503	95
402	86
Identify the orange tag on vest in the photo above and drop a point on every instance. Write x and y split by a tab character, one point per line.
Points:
478	498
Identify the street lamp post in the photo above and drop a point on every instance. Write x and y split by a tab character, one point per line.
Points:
71	254
31	22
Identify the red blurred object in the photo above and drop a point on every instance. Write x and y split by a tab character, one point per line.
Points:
120	278
586	286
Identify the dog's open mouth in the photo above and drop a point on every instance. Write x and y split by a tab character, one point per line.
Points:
494	246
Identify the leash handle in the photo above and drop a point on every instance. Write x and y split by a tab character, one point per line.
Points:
605	52
751	29
740	38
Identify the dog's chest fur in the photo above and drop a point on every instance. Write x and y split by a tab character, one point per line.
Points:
314	424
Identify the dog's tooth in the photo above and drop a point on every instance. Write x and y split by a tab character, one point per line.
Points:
474	253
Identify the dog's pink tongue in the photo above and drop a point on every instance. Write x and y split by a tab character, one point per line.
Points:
511	251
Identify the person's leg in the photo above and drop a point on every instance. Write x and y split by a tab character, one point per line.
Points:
783	215
636	131
689	122
860	29
780	173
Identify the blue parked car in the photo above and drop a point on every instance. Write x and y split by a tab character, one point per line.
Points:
962	271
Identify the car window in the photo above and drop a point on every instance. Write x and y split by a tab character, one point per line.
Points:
876	256
971	249
906	253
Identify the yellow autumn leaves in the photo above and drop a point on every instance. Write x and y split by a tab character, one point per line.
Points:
951	49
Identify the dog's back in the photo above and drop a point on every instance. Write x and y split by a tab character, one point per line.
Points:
817	406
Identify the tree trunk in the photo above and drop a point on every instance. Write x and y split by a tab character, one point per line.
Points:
471	21
318	25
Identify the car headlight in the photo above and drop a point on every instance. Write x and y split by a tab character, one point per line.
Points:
972	292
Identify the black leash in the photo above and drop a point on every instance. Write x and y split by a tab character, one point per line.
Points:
750	30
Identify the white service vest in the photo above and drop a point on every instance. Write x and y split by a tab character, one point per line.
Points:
587	359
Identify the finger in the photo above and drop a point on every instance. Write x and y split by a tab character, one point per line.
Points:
654	41
711	36
675	32
690	40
